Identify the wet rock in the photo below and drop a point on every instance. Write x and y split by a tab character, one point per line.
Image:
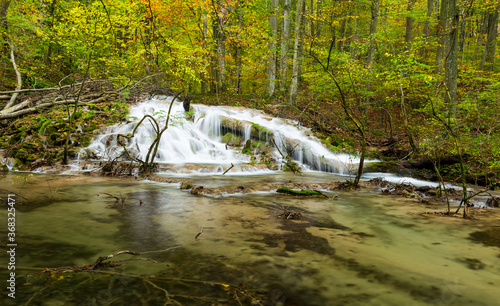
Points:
493	201
186	185
196	190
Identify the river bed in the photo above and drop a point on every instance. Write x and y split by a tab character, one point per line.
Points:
353	248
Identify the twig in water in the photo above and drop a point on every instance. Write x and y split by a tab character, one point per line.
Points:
228	169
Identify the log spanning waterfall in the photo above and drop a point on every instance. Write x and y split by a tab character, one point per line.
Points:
214	135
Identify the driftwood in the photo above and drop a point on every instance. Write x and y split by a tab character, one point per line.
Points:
228	169
303	193
102	262
290	215
35	99
121	199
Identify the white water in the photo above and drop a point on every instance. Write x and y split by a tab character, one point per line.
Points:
200	141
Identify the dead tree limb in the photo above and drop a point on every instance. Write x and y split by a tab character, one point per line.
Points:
18	76
228	169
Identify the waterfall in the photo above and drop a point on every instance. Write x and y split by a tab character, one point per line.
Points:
198	139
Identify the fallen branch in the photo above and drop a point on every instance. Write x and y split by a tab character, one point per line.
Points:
228	169
18	76
102	262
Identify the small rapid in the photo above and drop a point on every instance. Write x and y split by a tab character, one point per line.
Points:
198	138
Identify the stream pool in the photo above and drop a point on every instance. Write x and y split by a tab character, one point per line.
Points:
359	248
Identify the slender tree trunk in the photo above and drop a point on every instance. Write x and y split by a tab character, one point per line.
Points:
238	48
50	24
271	49
205	37
427	30
294	84
340	44
319	5
4	8
481	33
441	34
491	39
373	30
354	40
430	8
220	36
409	24
19	79
371	49
285	41
451	61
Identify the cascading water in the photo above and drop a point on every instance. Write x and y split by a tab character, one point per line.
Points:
199	139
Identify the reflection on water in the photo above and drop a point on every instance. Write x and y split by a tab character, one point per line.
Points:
362	248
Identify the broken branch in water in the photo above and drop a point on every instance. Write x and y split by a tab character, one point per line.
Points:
102	262
120	199
294	215
228	169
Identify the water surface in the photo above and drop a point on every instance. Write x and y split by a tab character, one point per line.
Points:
360	249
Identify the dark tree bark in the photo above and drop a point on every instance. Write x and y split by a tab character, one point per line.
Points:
271	49
409	24
491	39
451	61
285	41
294	84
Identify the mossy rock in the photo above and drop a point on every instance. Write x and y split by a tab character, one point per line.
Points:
232	140
4	168
303	193
186	185
259	132
247	149
84	140
233	125
385	167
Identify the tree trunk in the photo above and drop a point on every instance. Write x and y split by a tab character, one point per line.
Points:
237	81
409	24
451	61
271	49
430	7
19	79
373	31
427	30
4	8
220	19
294	84
371	49
285	40
441	34
205	36
354	40
491	39
340	44
481	33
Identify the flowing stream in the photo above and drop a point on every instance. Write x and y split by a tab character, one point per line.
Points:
360	249
199	140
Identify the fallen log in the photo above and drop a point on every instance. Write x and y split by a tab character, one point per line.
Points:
304	193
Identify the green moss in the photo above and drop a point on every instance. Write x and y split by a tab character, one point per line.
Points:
232	140
84	141
385	167
305	193
292	166
257	131
4	168
247	149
